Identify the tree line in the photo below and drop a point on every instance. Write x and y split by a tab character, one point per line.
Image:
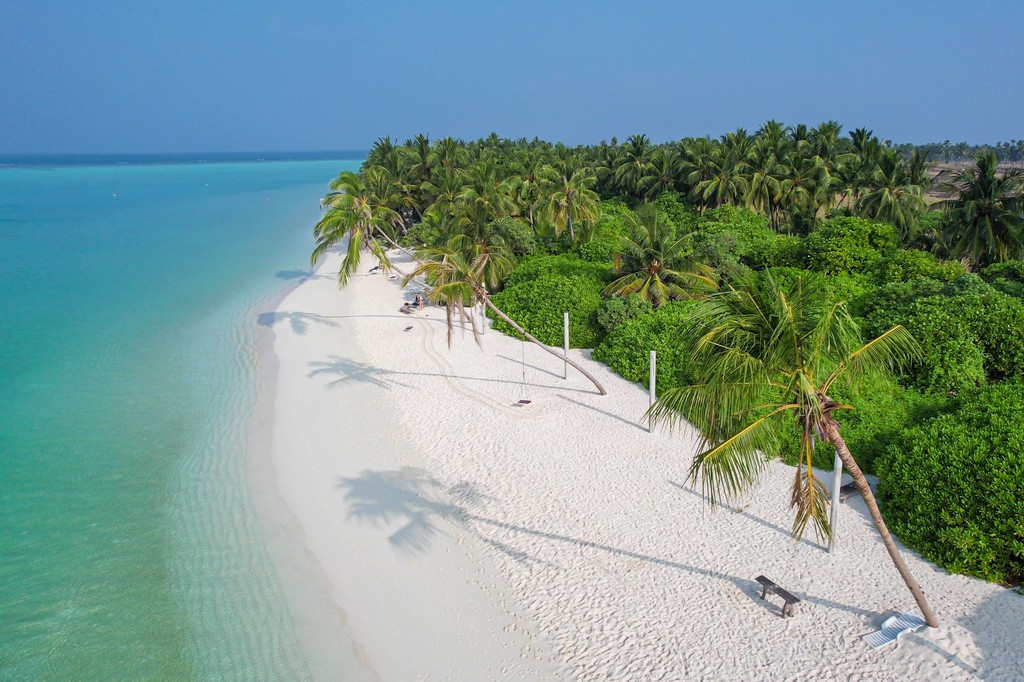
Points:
797	176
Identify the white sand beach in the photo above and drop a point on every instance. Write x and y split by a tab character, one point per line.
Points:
461	535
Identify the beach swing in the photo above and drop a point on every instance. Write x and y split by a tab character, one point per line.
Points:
524	393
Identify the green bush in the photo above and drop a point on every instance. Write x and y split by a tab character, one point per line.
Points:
603	241
538	304
1006	277
906	264
422	234
614	311
517	235
1012	270
854	290
564	265
850	245
782	251
719	251
953	487
952	359
678	212
750	230
626	349
970	332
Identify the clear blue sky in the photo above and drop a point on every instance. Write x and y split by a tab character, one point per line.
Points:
232	75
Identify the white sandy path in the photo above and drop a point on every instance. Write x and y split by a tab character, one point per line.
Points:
605	547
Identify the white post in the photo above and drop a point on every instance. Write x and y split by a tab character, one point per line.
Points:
654	389
565	345
837	479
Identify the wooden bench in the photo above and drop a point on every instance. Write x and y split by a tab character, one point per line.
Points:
766	585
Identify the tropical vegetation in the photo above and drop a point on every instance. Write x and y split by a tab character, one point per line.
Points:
652	246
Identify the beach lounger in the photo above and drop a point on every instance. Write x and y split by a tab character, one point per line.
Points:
891	629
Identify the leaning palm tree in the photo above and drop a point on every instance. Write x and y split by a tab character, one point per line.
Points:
655	264
985	211
353	210
766	359
462	272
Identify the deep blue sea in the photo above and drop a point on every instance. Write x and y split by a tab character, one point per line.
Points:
129	291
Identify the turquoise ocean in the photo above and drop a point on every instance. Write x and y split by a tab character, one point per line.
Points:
129	294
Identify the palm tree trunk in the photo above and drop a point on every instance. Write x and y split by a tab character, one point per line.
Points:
833	437
508	320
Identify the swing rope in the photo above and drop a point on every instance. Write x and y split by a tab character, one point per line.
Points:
524	394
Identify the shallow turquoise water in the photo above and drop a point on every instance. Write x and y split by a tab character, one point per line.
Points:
128	294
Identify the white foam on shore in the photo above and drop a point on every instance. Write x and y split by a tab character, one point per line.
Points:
466	536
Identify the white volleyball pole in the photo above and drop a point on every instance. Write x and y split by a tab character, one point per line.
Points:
565	345
654	390
837	479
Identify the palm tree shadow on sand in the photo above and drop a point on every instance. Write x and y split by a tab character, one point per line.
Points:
347	370
300	322
421	506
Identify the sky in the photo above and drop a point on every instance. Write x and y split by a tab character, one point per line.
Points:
263	75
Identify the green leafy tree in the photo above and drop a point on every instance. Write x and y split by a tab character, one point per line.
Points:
766	359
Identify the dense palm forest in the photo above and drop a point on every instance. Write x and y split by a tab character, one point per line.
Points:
639	240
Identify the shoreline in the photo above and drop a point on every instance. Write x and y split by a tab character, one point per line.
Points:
575	518
317	621
344	578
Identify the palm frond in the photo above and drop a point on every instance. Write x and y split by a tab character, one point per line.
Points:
733	466
892	350
809	497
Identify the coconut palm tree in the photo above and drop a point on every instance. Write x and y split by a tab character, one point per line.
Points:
665	168
570	199
634	174
728	164
353	210
891	195
656	265
985	211
767	359
464	272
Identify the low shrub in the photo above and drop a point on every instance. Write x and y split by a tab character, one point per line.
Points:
538	304
907	264
564	265
952	359
614	311
953	487
626	349
517	235
422	234
677	211
970	332
850	245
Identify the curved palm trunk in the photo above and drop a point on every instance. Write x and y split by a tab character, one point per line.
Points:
832	435
508	320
